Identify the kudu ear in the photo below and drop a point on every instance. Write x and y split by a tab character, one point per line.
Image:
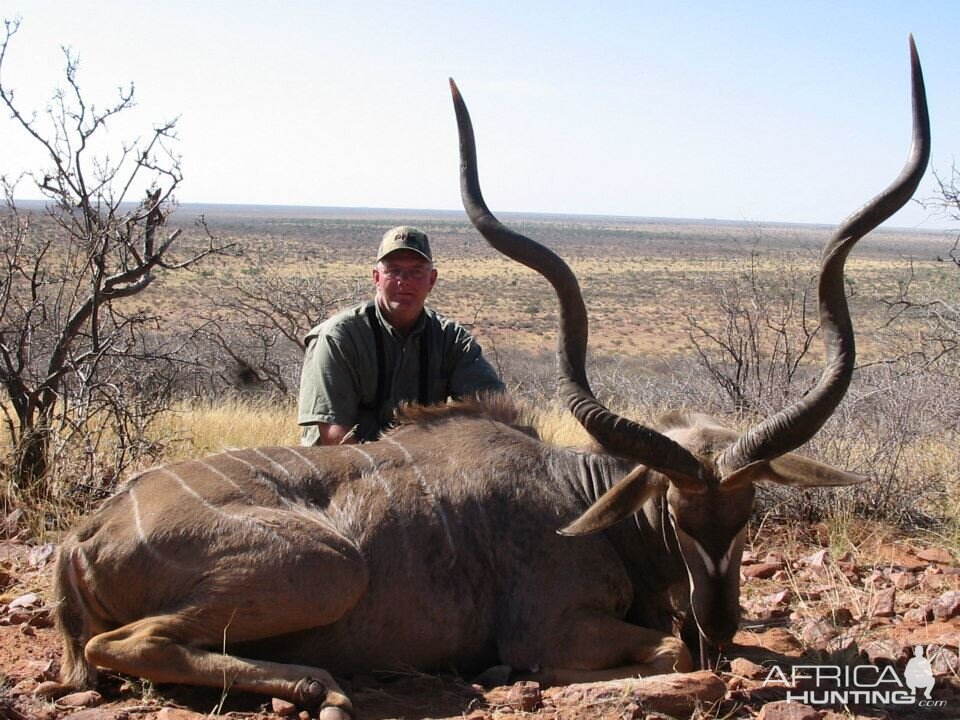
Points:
619	502
796	470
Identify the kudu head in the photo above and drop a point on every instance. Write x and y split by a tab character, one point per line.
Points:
706	472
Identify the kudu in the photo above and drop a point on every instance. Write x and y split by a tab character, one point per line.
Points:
437	546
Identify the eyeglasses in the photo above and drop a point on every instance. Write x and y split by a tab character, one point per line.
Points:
416	274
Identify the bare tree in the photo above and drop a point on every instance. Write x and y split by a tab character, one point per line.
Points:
252	332
73	347
767	323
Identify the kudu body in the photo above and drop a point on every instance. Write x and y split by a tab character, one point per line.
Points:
266	569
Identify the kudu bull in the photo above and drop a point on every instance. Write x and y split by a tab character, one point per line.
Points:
437	546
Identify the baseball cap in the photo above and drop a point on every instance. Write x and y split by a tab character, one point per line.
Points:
404	238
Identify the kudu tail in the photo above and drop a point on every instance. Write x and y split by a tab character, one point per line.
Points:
73	621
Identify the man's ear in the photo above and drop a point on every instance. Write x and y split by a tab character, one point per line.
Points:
433	277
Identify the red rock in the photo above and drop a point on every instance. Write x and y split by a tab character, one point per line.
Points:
937	555
103	713
24	687
884	603
525	696
919	615
947	605
784	597
945	662
283	708
49	689
678	694
783	710
814	632
748	558
931	582
760	571
169	713
778	640
87	698
904	580
746	669
817	559
890	650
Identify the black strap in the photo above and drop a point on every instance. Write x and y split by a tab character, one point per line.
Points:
424	394
382	377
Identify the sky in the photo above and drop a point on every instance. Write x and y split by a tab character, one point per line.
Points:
749	111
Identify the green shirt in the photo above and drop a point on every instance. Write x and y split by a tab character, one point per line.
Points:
339	376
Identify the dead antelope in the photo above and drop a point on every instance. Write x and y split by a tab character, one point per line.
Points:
267	569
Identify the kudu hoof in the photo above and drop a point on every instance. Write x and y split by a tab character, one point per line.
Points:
309	692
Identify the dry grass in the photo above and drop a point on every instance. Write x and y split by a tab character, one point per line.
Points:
203	428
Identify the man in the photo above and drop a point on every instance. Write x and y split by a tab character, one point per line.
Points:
362	362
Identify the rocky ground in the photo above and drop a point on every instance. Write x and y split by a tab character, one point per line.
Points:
859	615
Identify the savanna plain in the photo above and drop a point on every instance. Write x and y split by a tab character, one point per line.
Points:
684	315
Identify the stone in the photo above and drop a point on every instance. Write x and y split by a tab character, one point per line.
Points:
904	580
817	559
30	600
525	696
40	555
169	713
745	668
99	714
937	555
283	708
885	602
919	615
85	699
783	710
883	650
49	689
817	632
677	694
760	571
24	687
945	662
947	606
931	582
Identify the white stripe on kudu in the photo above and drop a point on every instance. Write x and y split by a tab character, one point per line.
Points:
428	491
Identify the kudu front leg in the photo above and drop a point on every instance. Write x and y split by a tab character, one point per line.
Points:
154	649
597	647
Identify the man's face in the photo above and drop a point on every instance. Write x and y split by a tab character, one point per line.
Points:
403	280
